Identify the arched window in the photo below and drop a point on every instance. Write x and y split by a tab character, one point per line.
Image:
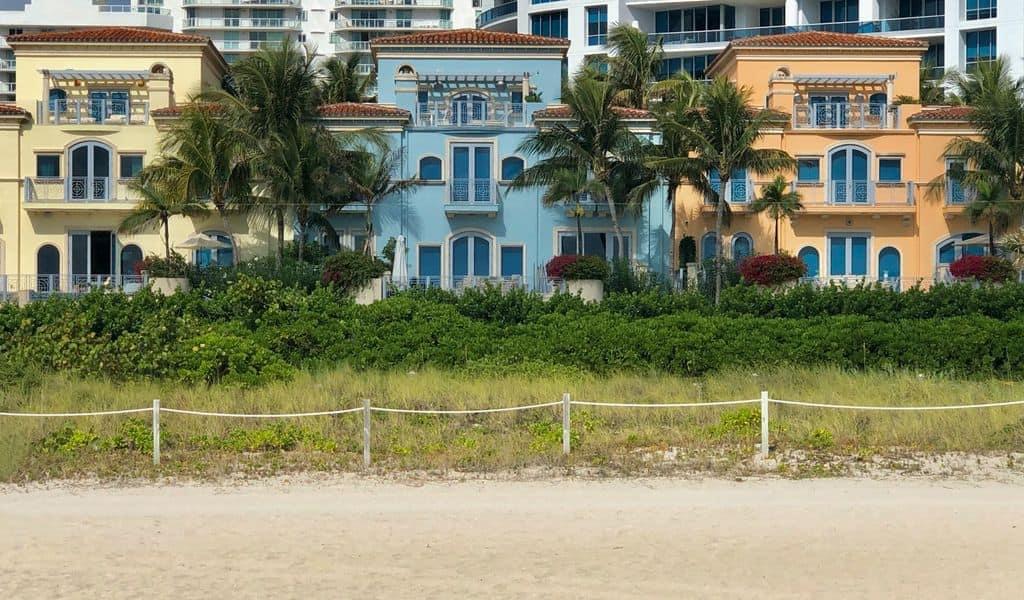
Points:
848	176
468	107
58	101
812	261
90	171
216	257
707	246
131	260
430	168
470	257
47	268
889	264
956	247
877	104
511	167
742	246
406	70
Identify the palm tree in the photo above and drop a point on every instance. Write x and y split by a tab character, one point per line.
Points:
568	187
596	142
159	202
371	179
723	132
341	82
989	203
987	79
780	201
207	158
633	64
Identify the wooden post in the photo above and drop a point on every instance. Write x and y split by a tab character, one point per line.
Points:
764	424
566	429
156	432
366	433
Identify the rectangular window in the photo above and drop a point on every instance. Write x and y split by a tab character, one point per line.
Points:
848	255
595	243
131	165
48	165
981	9
843	13
694	66
890	170
979	47
552	24
430	262
773	17
597	25
808	170
954	186
934	60
512	261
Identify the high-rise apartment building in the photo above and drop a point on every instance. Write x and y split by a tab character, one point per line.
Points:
960	33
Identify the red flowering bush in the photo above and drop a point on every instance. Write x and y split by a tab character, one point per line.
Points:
771	269
556	266
992	269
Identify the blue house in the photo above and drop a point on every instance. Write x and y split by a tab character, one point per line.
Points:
456	106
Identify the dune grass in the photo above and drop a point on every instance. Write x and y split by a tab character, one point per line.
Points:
603	438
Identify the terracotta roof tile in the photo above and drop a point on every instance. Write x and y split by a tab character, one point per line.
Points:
361	110
10	110
943	113
110	35
825	39
176	110
469	37
561	111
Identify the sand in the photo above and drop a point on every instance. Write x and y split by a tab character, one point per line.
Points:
350	537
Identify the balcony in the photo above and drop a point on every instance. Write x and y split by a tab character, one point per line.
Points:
392	24
245	45
235	3
469	114
498	13
92	112
77	193
351	46
845	115
850	197
396	3
8	65
472	197
206	23
148	10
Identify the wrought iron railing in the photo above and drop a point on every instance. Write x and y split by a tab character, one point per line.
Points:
472	190
92	112
845	115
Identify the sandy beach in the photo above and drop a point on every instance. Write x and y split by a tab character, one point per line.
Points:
367	538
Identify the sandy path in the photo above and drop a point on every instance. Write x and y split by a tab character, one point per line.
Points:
359	538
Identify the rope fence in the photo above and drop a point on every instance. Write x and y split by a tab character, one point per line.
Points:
566	403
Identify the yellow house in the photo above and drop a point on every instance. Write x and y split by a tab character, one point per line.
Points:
866	154
90	107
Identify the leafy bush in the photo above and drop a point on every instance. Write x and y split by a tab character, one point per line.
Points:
347	271
556	266
159	266
990	269
586	267
772	269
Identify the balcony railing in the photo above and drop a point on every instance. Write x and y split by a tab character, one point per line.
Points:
188	3
7	87
36	287
390	24
469	114
351	46
245	45
397	3
498	12
232	23
472	191
896	25
845	115
858	193
77	190
92	112
148	10
8	64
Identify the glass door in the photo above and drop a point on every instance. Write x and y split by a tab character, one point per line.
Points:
849	176
471	257
92	257
90	173
848	256
471	174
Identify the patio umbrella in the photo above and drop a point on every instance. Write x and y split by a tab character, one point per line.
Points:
399	270
201	241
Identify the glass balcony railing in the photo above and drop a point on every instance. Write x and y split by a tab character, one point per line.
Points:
232	23
397	3
393	24
895	25
498	12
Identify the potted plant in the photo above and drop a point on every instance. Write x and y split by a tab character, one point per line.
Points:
583	275
166	275
354	273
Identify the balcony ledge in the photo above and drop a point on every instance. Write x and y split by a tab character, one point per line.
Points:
454	209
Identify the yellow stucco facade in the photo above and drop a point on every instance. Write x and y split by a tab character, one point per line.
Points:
867	155
89	113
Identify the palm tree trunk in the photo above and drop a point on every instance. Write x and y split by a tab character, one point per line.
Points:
719	220
280	238
369	229
776	236
303	227
992	236
167	238
673	251
620	242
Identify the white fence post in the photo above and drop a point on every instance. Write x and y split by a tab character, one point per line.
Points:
764	424
366	433
156	432
566	441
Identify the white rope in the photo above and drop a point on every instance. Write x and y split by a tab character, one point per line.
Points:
78	414
200	413
896	408
676	405
461	412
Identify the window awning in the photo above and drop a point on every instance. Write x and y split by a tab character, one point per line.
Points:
105	76
508	79
840	79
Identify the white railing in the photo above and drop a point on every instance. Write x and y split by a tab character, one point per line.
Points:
245	45
241	3
845	115
22	288
233	23
8	64
92	112
476	113
8	87
397	3
565	404
352	46
393	24
76	190
149	10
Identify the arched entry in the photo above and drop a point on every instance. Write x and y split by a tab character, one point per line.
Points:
131	260
90	172
47	268
742	246
848	176
889	265
470	257
707	246
812	261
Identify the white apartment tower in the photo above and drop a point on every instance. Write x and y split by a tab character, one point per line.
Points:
960	32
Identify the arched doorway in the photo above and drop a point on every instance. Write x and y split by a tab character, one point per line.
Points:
470	257
889	266
742	246
131	260
848	176
90	172
812	261
707	246
47	268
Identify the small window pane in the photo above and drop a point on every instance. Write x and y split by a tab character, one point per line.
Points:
889	169
48	165
511	167
131	165
809	170
511	261
430	261
430	169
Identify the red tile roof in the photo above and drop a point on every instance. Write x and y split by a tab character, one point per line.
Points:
943	113
110	35
176	110
561	111
10	110
825	39
469	37
344	110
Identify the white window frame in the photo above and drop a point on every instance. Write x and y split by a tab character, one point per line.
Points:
628	234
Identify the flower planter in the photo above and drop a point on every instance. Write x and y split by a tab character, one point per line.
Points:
371	292
169	286
591	290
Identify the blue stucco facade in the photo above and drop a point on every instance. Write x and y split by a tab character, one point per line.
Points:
467	110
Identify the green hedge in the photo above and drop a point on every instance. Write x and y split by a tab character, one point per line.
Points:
258	331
